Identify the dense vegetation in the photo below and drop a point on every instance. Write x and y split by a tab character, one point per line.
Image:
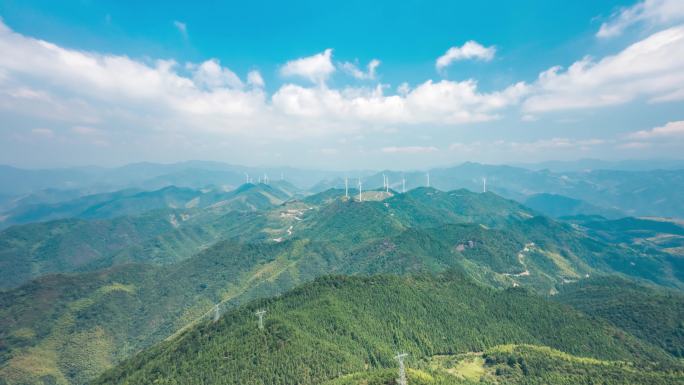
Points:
557	206
344	325
513	364
156	236
652	314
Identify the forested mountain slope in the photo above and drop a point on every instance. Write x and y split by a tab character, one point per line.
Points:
156	236
267	252
652	314
343	325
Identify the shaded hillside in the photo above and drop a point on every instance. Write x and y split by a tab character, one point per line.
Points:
557	206
343	325
651	314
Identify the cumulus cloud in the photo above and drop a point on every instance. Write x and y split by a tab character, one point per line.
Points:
46	82
470	50
409	149
671	130
75	84
93	89
649	12
316	68
254	78
353	70
211	75
443	102
652	68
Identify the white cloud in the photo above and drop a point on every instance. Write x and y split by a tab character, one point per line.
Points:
211	75
443	102
470	50
73	84
254	78
409	149
354	70
181	27
316	68
671	130
652	68
649	12
115	92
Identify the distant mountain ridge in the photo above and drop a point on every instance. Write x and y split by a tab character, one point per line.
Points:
637	188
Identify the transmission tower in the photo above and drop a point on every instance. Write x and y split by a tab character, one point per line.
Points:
402	371
260	314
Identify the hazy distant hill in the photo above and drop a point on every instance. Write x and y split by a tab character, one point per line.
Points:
557	206
598	164
193	174
134	202
632	188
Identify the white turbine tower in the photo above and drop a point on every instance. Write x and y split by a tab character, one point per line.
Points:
428	179
346	187
484	184
402	371
360	198
387	184
403	184
384	181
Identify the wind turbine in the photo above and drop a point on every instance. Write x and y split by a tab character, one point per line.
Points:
403	184
346	187
484	184
428	178
360	199
387	185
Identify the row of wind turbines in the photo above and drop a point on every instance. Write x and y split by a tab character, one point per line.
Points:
385	185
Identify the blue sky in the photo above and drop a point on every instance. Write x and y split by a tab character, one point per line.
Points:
385	85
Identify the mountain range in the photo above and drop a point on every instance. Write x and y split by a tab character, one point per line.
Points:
160	285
